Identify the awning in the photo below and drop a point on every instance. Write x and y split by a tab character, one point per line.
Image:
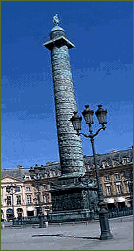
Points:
109	200
30	208
120	199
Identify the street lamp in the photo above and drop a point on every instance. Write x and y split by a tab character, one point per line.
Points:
76	121
36	174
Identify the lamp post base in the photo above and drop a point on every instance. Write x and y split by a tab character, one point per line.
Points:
106	236
104	224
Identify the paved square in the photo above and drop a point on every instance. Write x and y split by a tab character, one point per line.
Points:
69	237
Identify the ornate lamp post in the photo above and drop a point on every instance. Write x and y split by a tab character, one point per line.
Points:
36	174
76	121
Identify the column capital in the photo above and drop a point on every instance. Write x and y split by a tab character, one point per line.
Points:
59	40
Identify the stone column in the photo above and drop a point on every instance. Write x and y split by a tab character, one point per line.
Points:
70	196
70	147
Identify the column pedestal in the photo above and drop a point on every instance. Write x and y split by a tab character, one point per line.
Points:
70	199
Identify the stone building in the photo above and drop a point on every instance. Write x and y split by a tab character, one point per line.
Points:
116	176
19	193
16	198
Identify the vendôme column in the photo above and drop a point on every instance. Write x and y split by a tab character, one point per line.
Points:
70	147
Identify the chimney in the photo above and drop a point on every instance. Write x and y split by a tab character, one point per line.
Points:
20	167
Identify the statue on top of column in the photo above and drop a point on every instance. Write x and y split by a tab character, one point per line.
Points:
56	20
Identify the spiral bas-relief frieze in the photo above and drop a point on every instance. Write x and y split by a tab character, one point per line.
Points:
73	153
64	97
70	148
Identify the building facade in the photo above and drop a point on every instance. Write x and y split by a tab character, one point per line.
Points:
16	198
19	193
116	176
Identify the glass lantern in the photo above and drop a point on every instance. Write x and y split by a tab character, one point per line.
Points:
88	115
101	115
76	121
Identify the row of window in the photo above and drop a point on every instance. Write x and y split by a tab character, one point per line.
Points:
123	161
18	200
29	199
118	189
117	177
49	174
18	189
111	163
10	189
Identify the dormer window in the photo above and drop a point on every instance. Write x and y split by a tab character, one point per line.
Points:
107	164
103	165
124	161
115	163
27	178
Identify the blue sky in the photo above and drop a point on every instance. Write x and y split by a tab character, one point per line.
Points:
102	72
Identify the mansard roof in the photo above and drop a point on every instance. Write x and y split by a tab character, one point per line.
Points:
14	172
20	172
109	157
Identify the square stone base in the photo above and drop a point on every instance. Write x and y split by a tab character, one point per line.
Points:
70	199
69	216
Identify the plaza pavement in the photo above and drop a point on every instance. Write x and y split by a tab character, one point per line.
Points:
70	237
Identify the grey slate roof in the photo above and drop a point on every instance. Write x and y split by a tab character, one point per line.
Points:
19	172
14	172
109	157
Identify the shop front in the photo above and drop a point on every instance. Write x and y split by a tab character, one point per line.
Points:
30	211
120	202
110	203
9	214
